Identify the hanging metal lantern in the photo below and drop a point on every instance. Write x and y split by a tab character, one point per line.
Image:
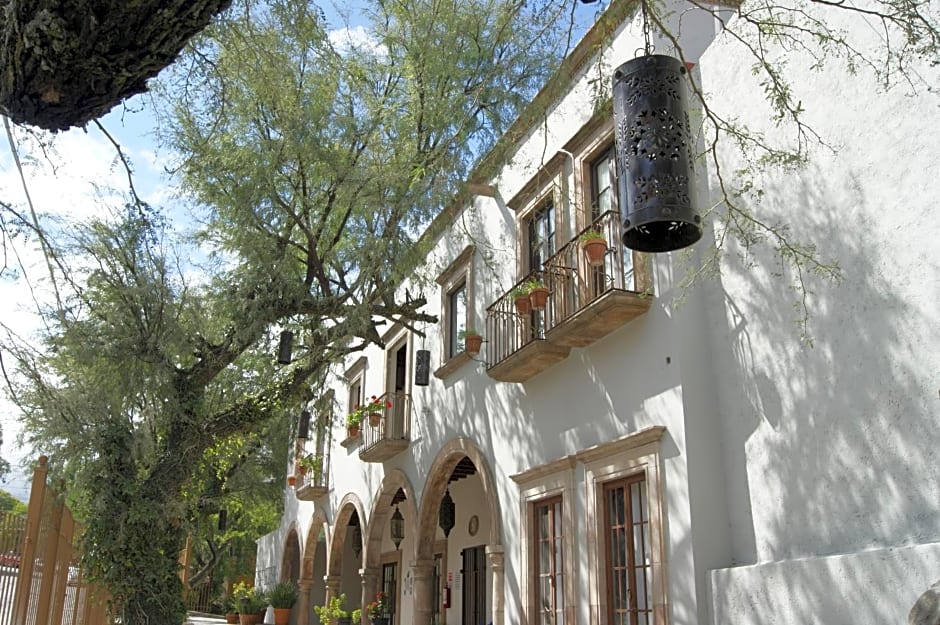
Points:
422	367
397	527
357	539
447	516
284	347
654	155
303	428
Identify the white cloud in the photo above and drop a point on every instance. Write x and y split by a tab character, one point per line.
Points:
356	38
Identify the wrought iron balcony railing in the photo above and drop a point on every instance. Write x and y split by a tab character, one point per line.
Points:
522	343
388	432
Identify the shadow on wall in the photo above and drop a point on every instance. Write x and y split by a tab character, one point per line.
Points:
830	449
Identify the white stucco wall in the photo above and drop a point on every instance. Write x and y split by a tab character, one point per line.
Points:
830	449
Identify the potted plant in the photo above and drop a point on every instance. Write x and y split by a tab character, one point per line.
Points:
594	246
291	479
356	616
282	598
376	410
538	294
334	612
520	296
378	610
312	463
229	609
472	341
353	421
250	604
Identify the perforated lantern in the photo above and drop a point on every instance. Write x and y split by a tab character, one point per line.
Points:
397	527
654	155
447	516
284	348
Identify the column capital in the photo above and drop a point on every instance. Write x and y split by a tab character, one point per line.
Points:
495	555
422	568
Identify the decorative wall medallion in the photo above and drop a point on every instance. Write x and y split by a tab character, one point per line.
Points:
474	526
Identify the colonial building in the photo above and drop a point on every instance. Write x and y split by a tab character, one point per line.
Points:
638	449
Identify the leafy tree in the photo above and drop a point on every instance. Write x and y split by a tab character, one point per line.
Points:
9	503
315	165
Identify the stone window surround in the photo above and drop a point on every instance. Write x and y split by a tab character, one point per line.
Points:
355	373
634	453
460	271
548	184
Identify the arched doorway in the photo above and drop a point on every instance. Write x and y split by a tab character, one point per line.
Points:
312	587
345	553
387	565
468	559
290	562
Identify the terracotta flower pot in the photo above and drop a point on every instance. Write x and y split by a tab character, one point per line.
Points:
291	480
595	250
523	305
302	470
251	619
281	616
375	418
539	297
472	344
352	431
231	617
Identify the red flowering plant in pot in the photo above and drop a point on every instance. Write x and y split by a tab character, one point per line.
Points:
378	610
376	410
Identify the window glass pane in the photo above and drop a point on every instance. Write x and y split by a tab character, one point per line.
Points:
457	314
602	192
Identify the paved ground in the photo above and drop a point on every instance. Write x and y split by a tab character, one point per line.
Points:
197	618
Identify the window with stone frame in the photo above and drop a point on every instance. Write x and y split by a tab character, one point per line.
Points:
458	311
355	378
625	530
548	520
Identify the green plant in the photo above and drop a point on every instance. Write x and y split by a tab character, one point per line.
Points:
283	595
592	235
361	412
533	284
467	332
332	611
247	599
520	291
312	463
356	616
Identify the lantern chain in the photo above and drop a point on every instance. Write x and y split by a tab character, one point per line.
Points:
647	43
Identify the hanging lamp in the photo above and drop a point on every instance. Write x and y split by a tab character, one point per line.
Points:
447	516
654	152
397	527
284	348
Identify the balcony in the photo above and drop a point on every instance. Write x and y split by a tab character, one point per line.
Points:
589	302
586	302
313	484
391	433
516	346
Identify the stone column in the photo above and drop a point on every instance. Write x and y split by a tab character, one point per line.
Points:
303	607
370	588
495	558
332	587
423	571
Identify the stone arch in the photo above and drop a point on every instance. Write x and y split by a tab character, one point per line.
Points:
349	504
380	513
311	587
318	525
290	560
438	476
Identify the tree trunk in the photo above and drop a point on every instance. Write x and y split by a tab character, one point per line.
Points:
65	63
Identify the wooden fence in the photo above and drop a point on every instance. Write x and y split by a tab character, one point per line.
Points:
49	588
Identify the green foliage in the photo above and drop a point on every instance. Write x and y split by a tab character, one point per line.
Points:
334	609
9	503
283	595
247	599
